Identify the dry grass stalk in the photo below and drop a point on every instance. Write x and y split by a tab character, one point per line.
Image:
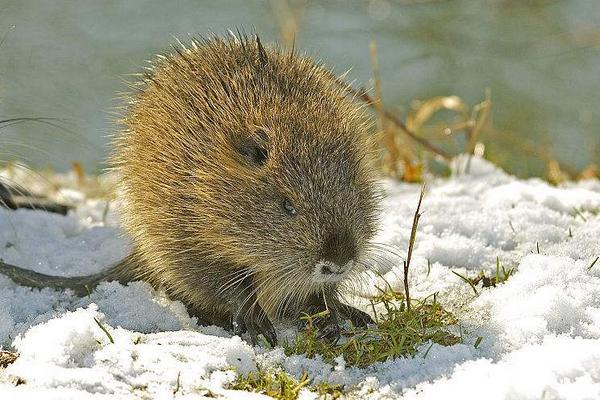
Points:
411	245
590	172
363	95
529	147
392	158
554	173
79	172
426	109
7	358
479	117
288	17
471	121
400	160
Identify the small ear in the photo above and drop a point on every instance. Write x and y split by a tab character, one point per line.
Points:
254	148
262	54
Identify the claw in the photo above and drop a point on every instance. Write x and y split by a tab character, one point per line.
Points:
330	331
328	326
255	322
358	318
269	334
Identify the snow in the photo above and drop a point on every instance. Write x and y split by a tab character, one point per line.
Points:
540	330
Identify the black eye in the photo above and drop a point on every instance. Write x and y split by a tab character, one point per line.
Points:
289	207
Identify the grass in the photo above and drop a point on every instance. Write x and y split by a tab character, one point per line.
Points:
411	245
110	338
398	332
279	385
437	129
406	146
579	212
502	274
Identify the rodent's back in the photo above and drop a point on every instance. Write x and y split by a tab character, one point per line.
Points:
234	158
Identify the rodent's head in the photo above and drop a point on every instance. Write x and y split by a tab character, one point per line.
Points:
261	159
306	203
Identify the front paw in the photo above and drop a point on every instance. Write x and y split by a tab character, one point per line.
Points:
325	321
357	317
256	322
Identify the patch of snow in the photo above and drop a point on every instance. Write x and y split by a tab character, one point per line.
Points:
540	330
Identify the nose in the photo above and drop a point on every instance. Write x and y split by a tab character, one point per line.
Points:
339	248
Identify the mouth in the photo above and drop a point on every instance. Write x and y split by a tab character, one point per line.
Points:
328	272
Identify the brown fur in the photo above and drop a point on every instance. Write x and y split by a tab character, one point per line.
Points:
203	204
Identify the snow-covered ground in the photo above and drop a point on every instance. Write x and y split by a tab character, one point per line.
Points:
540	330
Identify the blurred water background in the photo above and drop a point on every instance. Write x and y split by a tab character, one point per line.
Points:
541	59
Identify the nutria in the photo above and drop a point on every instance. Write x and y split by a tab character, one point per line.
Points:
247	185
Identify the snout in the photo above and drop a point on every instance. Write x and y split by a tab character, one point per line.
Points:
337	257
330	272
339	248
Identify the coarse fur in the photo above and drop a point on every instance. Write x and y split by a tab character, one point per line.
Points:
216	137
247	185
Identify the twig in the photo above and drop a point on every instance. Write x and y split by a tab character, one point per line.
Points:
365	97
411	245
177	383
594	263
